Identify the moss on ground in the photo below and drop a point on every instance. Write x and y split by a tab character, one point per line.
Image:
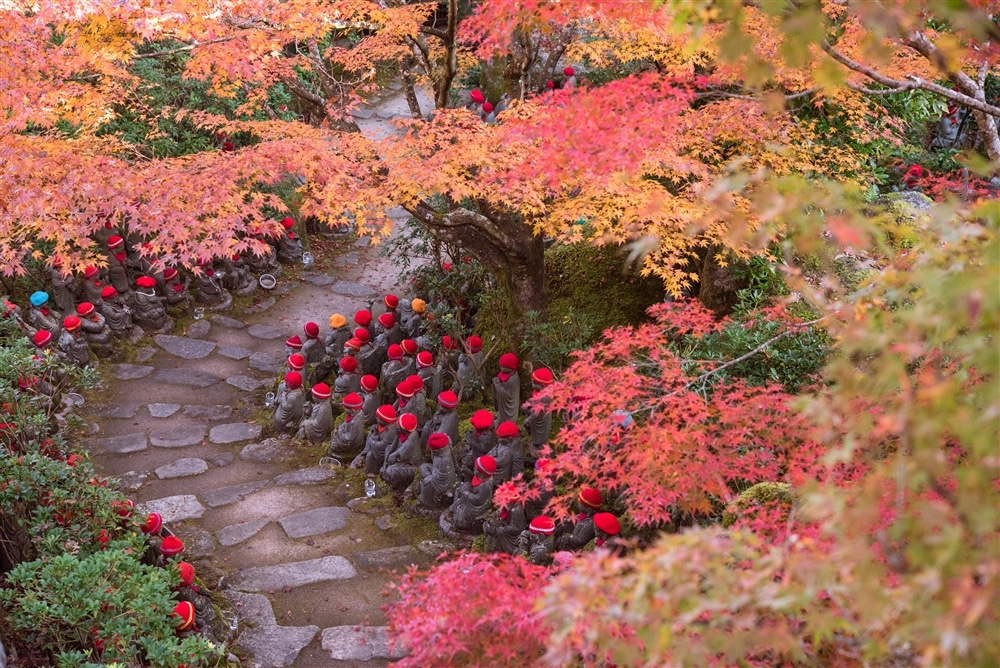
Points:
596	280
758	495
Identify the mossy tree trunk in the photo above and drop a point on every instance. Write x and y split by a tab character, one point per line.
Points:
505	245
719	284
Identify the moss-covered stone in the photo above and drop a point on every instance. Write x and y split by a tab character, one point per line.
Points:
596	280
760	494
851	272
905	212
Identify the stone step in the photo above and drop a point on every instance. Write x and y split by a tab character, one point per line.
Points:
234	534
186	466
291	575
184	347
127	443
358	643
234	432
131	371
314	522
270	645
174	508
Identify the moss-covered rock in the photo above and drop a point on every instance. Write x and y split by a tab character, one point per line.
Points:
763	493
909	204
852	271
596	281
905	211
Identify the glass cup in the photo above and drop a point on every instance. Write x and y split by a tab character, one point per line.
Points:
370	487
199	312
269	399
307	259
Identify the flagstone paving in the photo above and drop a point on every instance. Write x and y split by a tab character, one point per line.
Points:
302	560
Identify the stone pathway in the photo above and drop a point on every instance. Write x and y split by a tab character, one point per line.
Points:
263	523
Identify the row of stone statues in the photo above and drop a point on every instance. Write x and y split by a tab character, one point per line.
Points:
400	423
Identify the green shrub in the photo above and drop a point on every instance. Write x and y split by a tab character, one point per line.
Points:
792	361
552	342
74	585
101	607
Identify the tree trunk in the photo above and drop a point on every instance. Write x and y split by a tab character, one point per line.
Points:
408	90
505	245
449	65
719	284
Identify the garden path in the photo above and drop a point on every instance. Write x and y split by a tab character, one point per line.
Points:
302	558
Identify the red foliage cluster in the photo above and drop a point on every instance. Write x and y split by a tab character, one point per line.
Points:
488	597
958	183
685	448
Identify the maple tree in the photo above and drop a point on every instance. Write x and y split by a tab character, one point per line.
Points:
704	138
891	462
713	77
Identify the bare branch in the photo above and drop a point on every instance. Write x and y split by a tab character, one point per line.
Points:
914	82
752	98
188	47
435	32
880	91
795	329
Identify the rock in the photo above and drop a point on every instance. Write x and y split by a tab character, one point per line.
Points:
386	114
358	643
233	432
365	506
906	204
319	280
282	289
362	113
119	411
174	508
199	544
223	496
315	521
181	468
234	352
144	354
211	413
226	321
293	574
176	437
187	377
118	444
163	410
352	289
265	332
261	307
390	557
385	523
363	242
310	476
347	260
199	329
266	362
271	646
269	450
131	371
220	459
183	347
245	383
234	534
132	480
435	548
